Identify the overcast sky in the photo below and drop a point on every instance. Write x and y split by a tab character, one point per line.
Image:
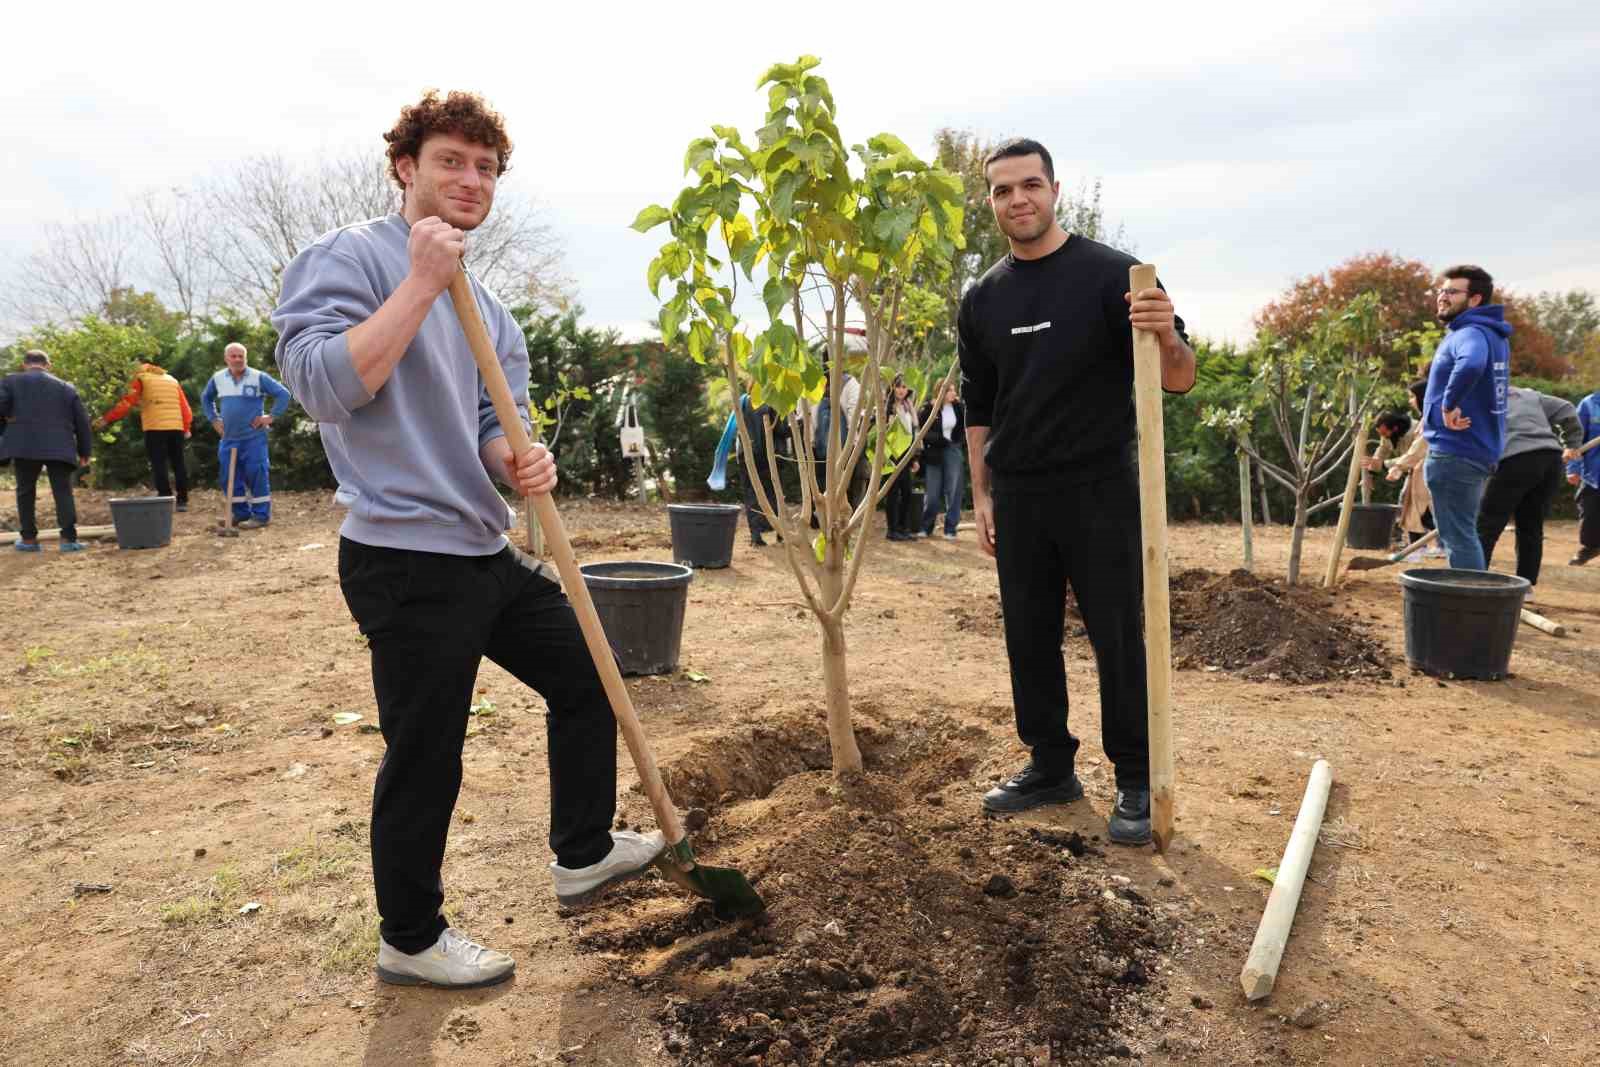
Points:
1241	144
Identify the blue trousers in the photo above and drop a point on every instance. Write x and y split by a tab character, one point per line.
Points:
944	478
1457	486
251	491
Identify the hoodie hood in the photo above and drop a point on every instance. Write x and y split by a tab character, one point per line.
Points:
1489	316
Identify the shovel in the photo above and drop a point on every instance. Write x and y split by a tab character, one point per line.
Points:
1368	563
227	498
726	888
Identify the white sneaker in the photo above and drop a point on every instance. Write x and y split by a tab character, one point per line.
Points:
454	961
630	856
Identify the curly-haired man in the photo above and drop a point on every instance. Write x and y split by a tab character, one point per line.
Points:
371	345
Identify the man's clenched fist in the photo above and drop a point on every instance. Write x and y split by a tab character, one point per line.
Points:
436	249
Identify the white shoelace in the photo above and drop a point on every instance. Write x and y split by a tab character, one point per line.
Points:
457	944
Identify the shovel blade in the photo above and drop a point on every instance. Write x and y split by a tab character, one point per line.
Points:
730	892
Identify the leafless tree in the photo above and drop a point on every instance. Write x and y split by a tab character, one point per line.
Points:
265	210
174	230
74	271
227	240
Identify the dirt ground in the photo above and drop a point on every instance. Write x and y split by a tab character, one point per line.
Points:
183	813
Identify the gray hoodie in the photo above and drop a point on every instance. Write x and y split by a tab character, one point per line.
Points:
407	459
1533	421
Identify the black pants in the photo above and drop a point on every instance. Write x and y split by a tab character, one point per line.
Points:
163	446
1086	534
754	517
897	505
429	619
1520	490
60	487
1588	516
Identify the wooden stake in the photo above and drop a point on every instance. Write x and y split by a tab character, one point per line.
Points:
1539	622
85	533
1245	519
1153	530
1357	454
1261	969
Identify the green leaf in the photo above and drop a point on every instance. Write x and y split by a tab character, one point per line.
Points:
819	546
700	150
700	337
894	226
1268	875
694	675
776	294
783	191
726	203
345	718
651	217
653	275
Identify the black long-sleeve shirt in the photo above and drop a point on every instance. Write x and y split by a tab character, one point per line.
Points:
1047	363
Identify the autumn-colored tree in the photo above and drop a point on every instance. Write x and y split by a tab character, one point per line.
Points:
1533	348
1404	305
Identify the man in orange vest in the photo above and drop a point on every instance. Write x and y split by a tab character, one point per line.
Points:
164	416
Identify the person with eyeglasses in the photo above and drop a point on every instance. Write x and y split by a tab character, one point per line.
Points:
1464	409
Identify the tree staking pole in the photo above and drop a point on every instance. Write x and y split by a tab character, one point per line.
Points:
1153	528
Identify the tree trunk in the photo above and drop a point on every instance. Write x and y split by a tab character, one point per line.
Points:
835	672
1299	533
836	684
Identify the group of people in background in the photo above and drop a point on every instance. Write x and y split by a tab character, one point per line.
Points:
940	458
46	429
1486	453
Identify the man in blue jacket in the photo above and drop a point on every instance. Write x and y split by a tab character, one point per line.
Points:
1464	410
47	429
232	400
1584	472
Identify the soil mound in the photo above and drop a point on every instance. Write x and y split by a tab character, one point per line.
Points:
1267	631
896	928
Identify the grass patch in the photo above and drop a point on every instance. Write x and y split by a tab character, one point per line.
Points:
36	655
133	664
352	944
221	894
312	863
74	755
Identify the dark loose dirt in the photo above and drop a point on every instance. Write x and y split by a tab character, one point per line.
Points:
1256	629
895	931
1267	631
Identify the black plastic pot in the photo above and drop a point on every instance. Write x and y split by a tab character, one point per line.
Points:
142	521
1462	624
702	534
641	606
1372	525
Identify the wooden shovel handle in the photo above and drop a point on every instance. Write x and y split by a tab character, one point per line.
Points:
555	534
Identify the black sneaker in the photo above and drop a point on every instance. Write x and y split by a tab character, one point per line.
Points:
1030	788
1584	556
757	541
1130	818
182	505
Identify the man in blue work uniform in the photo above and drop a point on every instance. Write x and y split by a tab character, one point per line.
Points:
232	400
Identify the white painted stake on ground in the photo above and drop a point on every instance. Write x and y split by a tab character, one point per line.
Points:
1261	969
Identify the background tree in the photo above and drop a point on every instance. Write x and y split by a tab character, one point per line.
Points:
1572	319
225	241
1401	288
677	420
854	234
1316	393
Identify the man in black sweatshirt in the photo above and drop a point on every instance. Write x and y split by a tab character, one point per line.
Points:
1047	359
